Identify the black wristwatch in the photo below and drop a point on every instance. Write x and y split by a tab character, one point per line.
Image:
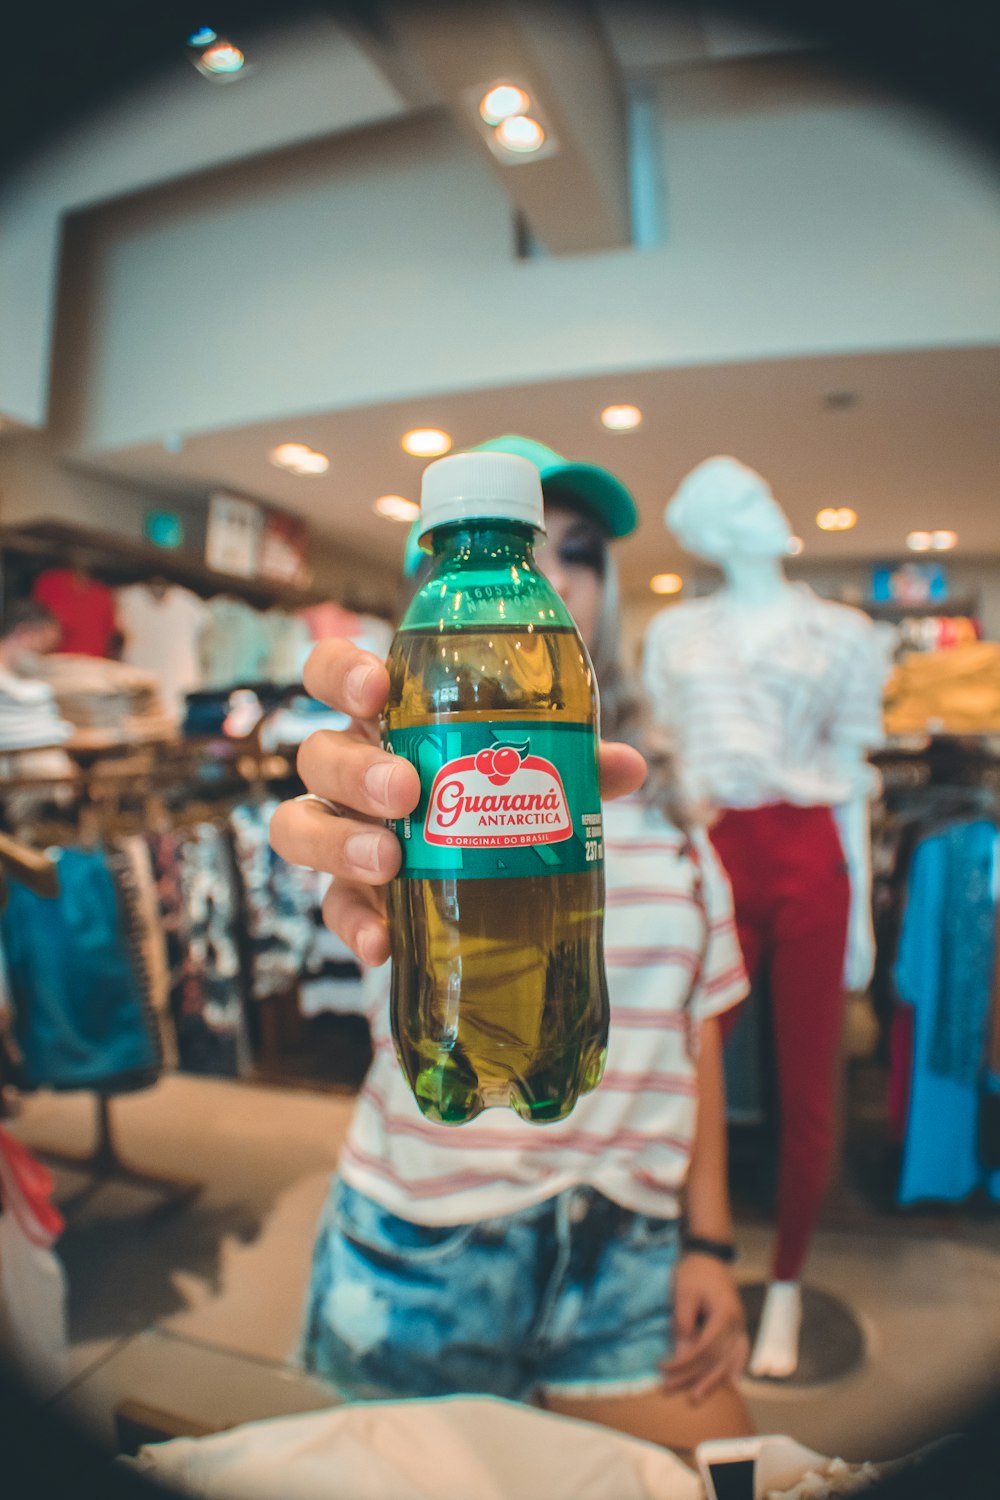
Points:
693	1244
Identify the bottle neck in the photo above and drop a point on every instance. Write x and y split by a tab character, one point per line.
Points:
486	543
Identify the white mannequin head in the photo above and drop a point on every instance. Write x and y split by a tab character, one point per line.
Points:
724	511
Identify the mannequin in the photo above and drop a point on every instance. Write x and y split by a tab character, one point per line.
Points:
773	696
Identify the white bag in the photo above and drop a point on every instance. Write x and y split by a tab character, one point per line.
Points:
32	1309
469	1447
33	1336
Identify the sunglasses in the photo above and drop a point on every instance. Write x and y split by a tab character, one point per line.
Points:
584	546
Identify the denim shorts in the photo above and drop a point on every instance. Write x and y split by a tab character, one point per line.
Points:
572	1296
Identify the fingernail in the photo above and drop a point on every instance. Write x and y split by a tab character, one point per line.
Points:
362	849
370	946
377	779
357	679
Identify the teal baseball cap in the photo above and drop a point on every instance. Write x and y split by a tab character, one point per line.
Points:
587	486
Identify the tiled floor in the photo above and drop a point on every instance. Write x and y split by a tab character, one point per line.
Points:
197	1310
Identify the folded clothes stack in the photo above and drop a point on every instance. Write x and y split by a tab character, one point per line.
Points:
29	717
946	692
106	702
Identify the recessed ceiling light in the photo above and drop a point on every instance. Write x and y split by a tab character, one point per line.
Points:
621	418
919	541
396	508
502	101
299	458
312	463
943	541
796	546
520	133
666	583
425	442
836	518
221	61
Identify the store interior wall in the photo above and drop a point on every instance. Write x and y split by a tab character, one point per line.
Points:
36	485
312	82
818	183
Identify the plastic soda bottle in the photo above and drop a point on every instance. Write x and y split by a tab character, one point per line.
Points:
499	996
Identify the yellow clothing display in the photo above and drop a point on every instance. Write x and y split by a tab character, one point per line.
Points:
946	692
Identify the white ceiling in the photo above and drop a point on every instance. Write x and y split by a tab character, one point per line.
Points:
919	450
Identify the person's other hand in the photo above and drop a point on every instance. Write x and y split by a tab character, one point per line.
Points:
349	768
710	1336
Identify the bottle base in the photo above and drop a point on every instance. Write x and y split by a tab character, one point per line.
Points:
449	1093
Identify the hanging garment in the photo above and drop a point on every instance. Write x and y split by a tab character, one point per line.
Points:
234	644
132	871
279	901
81	1021
162	636
84	608
331	979
941	1150
196	883
289	643
966	915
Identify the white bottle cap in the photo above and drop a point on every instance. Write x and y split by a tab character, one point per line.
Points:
481	487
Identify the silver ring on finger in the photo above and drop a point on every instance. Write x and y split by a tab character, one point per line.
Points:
334	808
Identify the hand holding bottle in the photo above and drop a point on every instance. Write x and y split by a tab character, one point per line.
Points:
350	769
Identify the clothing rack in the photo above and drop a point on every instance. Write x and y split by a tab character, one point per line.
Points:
39	872
97	793
104	1165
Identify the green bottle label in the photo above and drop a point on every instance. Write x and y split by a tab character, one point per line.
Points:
498	802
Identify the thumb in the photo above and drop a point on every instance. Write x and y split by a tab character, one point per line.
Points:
687	1306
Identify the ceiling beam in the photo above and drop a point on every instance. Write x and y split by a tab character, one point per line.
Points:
576	198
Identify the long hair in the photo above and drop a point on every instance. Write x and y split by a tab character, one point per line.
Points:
626	713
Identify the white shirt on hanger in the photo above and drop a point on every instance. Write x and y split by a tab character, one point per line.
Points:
760	715
162	635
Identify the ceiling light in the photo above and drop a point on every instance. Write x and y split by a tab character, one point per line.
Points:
221	61
299	458
840	518
396	508
666	583
203	37
796	546
502	101
943	541
287	454
520	133
426	442
311	463
919	541
621	418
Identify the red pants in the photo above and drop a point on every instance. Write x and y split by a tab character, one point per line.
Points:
792	892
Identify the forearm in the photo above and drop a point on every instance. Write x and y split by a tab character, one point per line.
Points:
707	1191
853	821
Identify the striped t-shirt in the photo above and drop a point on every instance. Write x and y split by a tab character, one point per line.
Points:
632	1137
779	718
